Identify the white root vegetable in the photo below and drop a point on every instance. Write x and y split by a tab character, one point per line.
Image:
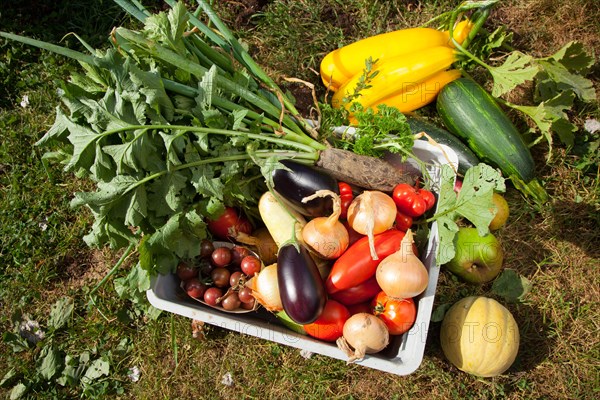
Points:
283	223
363	334
402	274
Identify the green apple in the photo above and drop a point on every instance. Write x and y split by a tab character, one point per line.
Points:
478	259
502	212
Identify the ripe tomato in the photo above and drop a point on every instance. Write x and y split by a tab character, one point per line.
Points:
403	221
229	224
330	324
408	201
397	314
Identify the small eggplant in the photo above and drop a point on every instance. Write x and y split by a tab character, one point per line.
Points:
301	181
301	287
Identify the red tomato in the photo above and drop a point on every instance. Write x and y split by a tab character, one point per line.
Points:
346	197
364	291
229	224
403	221
398	314
428	197
408	201
330	324
345	189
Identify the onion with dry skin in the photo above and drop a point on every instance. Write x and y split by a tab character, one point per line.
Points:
365	333
402	274
370	213
326	236
265	288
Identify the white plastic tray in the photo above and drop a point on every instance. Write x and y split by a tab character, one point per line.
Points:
404	354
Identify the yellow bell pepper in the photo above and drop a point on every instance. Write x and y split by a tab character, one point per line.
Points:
342	64
396	75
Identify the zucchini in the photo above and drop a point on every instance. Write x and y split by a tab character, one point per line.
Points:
472	114
466	157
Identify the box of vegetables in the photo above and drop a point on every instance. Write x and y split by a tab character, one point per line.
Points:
399	353
248	215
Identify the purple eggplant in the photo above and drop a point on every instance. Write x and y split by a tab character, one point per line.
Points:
301	181
301	288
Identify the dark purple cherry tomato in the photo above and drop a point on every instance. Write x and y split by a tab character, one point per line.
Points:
238	253
245	295
231	301
250	265
186	271
194	288
220	277
206	248
221	257
211	295
235	277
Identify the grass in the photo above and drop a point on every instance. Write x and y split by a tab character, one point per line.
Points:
43	258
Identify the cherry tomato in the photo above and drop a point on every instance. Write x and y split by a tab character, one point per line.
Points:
238	253
345	189
186	271
408	201
428	197
330	324
220	277
229	224
231	301
250	265
235	277
211	295
346	197
206	248
403	221
221	257
245	295
398	314
194	288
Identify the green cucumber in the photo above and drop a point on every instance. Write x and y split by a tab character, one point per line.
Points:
472	114
466	157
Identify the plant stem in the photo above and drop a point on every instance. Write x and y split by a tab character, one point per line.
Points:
114	268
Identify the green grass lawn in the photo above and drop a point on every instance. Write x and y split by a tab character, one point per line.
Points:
96	344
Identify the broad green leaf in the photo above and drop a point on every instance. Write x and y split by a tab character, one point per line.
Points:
107	192
238	118
151	86
138	206
60	313
474	201
511	286
84	147
205	182
58	130
70	373
516	69
550	116
574	57
97	369
103	168
50	363
564	80
164	193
